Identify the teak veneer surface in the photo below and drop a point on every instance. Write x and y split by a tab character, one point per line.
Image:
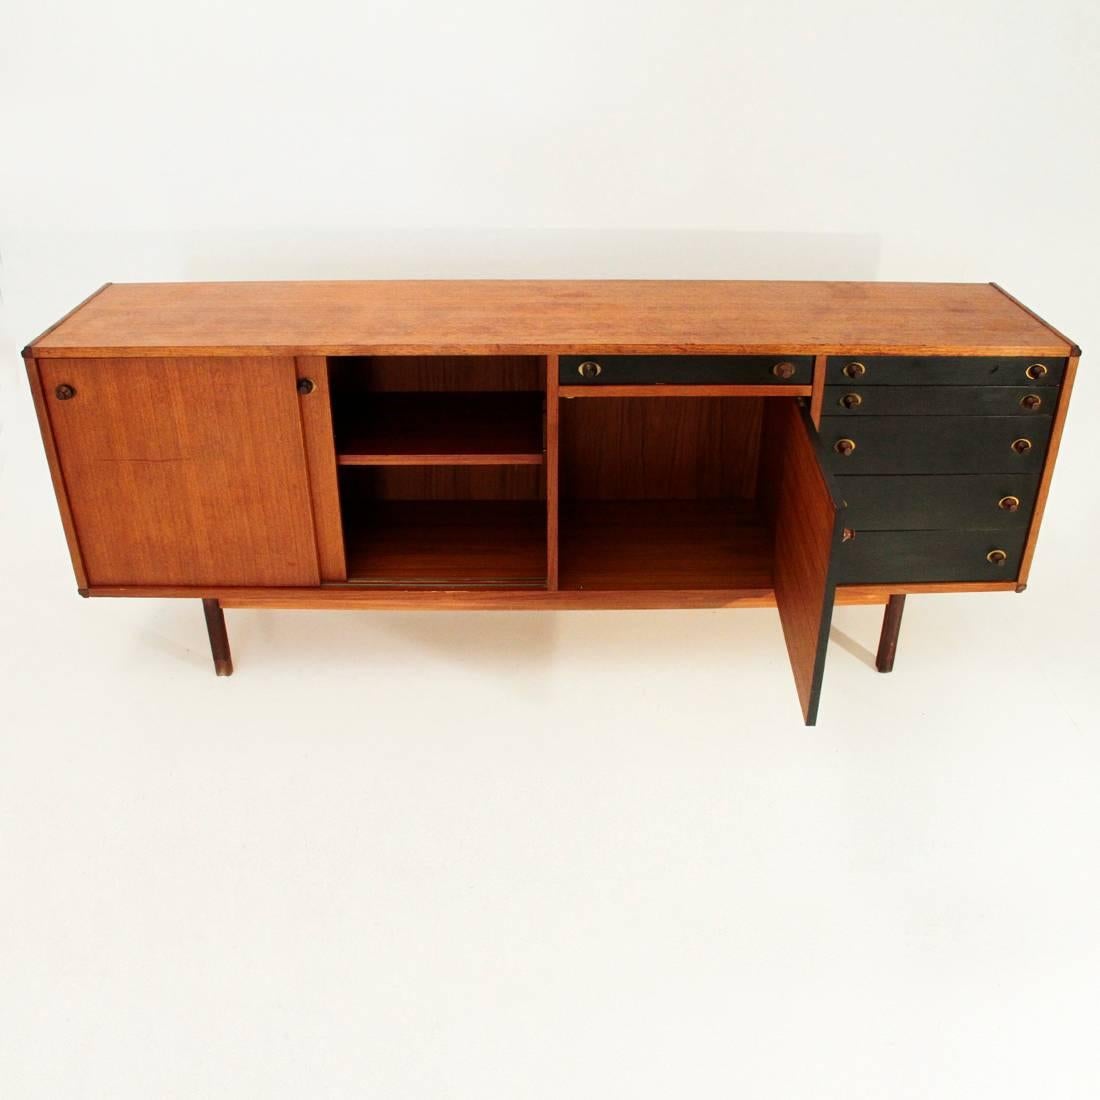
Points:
543	316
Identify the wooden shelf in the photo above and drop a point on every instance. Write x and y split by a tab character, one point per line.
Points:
449	543
664	544
441	429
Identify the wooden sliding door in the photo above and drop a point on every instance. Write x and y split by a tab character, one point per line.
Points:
184	471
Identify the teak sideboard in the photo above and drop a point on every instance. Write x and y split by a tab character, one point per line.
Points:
553	444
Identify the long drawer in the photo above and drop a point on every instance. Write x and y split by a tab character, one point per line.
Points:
685	370
939	502
903	370
934	444
855	400
901	557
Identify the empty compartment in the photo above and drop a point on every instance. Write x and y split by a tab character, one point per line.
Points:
666	493
438	410
444	526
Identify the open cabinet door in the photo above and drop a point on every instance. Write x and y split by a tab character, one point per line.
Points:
806	518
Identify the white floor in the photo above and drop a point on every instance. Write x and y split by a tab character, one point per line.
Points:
559	855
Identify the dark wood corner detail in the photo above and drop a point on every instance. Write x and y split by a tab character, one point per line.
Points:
1021	588
82	592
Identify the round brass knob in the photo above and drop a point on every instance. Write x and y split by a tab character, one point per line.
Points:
64	392
847	534
854	370
1009	504
1021	446
306	386
589	369
1030	401
851	401
996	557
783	370
844	447
1036	370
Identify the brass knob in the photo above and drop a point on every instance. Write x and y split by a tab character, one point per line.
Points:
996	557
1036	370
1009	504
1021	446
855	370
851	401
589	369
64	392
847	534
306	386
783	370
844	447
1030	401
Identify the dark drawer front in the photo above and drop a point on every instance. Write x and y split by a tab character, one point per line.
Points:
907	557
902	370
685	370
935	444
989	502
856	400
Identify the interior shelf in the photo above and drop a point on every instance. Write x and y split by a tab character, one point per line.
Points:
427	429
664	544
465	543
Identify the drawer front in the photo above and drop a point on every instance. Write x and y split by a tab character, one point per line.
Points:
935	444
989	502
901	370
907	557
685	370
856	400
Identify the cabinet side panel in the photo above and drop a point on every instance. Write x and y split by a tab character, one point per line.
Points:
1048	471
795	493
56	475
316	410
187	471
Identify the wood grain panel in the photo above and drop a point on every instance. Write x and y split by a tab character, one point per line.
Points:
553	436
361	484
316	412
658	448
438	373
538	317
185	471
1055	442
805	515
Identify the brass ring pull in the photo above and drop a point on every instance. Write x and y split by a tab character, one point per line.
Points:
854	370
1021	446
783	370
996	557
1009	504
851	401
1030	401
1036	370
589	369
306	386
844	447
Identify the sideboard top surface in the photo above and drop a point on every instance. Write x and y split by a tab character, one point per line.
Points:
396	317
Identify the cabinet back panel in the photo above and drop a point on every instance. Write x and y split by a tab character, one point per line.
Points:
435	373
185	471
659	448
360	485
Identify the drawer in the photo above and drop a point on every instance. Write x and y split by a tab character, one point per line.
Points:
685	370
934	444
987	502
909	370
856	400
907	557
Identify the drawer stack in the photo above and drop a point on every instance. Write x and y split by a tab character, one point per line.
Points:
939	461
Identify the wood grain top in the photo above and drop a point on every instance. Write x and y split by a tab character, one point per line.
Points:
405	317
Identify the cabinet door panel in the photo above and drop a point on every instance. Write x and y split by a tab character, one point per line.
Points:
187	471
805	512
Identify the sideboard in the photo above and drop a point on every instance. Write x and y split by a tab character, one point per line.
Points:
503	444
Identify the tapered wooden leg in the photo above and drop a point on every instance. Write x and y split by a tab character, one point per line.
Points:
888	640
219	639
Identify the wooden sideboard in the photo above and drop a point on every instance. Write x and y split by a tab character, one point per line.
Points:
553	444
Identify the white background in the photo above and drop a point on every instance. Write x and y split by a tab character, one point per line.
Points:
574	855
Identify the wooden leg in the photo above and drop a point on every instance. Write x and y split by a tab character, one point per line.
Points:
219	639
888	641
